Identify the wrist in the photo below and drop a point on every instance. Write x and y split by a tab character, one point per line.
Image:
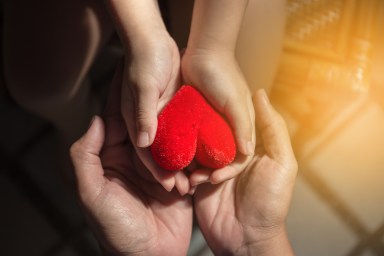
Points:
144	43
216	24
136	21
209	52
208	61
271	243
204	58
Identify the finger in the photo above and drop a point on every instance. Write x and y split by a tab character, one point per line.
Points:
85	157
192	191
240	119
199	176
230	171
273	130
146	99
182	183
165	178
251	110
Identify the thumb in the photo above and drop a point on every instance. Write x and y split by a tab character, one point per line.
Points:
85	157
274	132
146	99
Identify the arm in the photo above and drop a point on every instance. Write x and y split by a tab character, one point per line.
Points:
278	245
136	21
151	76
209	64
146	44
216	24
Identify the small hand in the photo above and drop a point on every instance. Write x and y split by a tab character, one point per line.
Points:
128	210
151	78
246	215
217	76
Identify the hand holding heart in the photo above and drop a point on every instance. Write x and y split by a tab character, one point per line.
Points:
246	215
130	213
217	76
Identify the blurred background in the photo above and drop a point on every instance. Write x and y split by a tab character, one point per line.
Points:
329	86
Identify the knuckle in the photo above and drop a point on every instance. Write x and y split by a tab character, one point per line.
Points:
144	119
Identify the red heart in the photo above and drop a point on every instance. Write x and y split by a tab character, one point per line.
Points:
189	127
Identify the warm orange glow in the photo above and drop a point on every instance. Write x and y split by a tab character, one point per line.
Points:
330	89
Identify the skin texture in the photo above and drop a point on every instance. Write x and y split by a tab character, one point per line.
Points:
151	76
49	48
131	214
209	64
246	215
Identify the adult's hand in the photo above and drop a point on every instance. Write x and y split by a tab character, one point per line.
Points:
128	210
246	215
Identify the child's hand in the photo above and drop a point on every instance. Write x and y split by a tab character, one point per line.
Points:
151	77
209	64
217	76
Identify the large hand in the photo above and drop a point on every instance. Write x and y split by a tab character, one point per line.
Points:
246	215
128	210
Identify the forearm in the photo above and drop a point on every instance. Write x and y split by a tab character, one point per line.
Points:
216	24
136	21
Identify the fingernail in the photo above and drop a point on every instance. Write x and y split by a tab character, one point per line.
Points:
142	139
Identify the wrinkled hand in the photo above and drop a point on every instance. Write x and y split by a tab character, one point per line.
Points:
151	78
129	212
246	215
217	76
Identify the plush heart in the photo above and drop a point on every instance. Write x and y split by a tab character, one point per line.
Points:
188	128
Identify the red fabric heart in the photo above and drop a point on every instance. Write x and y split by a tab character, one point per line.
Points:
188	128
